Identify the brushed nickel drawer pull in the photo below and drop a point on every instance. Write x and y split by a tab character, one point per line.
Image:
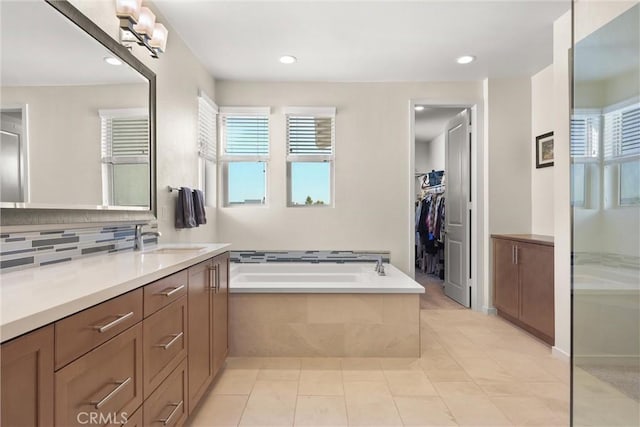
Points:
121	318
213	274
108	397
168	293
166	421
175	338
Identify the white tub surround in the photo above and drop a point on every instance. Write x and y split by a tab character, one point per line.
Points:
324	278
325	310
606	315
35	297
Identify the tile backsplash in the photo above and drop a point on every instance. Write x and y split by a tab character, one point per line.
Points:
308	256
21	250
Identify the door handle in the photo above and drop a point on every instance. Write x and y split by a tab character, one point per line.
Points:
516	251
168	293
513	254
120	385
174	339
121	318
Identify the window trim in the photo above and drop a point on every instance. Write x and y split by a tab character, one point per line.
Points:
319	112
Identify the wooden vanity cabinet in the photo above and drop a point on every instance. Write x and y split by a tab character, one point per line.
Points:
523	274
26	374
208	324
149	355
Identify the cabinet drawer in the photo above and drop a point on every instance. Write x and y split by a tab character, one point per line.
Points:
165	343
107	380
167	406
82	332
164	291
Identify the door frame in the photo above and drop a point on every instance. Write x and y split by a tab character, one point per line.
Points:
24	151
479	215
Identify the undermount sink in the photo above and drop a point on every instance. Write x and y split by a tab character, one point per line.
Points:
175	250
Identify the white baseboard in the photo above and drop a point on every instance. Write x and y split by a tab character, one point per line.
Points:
489	310
560	354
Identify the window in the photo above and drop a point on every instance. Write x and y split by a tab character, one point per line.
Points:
622	150
244	134
207	147
584	151
310	156
125	157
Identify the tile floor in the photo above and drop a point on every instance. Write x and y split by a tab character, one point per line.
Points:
474	370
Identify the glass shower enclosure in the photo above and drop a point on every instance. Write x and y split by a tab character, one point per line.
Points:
605	199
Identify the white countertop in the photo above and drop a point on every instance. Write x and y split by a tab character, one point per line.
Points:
37	296
322	278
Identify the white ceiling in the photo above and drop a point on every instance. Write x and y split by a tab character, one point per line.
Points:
612	50
431	122
41	47
366	40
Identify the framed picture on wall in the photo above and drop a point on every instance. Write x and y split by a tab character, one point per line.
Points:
544	150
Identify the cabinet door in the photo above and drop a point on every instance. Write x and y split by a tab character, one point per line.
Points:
27	380
221	313
535	264
505	277
200	299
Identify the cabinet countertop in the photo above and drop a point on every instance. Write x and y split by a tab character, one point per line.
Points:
540	239
38	296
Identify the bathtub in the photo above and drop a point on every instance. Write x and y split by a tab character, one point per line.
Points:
320	278
323	310
606	315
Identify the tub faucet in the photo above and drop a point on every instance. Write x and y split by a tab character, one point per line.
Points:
138	241
380	267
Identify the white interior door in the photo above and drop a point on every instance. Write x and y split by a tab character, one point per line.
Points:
456	244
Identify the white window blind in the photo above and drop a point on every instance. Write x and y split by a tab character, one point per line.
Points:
207	128
125	136
585	131
310	132
622	132
245	132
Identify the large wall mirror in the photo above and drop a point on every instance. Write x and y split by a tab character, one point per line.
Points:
77	114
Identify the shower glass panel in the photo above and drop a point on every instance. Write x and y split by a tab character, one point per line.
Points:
605	157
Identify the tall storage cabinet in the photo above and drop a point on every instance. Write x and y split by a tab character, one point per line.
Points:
524	284
208	320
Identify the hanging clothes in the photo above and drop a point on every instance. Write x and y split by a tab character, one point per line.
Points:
430	232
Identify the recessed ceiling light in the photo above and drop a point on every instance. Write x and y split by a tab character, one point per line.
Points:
288	59
419	108
466	59
112	61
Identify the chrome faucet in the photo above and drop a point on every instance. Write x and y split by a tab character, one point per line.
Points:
380	267
138	241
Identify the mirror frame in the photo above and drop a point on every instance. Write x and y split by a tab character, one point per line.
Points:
10	217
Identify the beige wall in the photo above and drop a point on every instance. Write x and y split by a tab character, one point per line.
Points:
435	153
65	160
179	76
372	170
541	179
509	134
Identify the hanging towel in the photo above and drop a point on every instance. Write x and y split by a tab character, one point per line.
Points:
198	207
185	214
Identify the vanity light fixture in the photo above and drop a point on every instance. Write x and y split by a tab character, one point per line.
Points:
288	59
466	59
138	25
419	107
